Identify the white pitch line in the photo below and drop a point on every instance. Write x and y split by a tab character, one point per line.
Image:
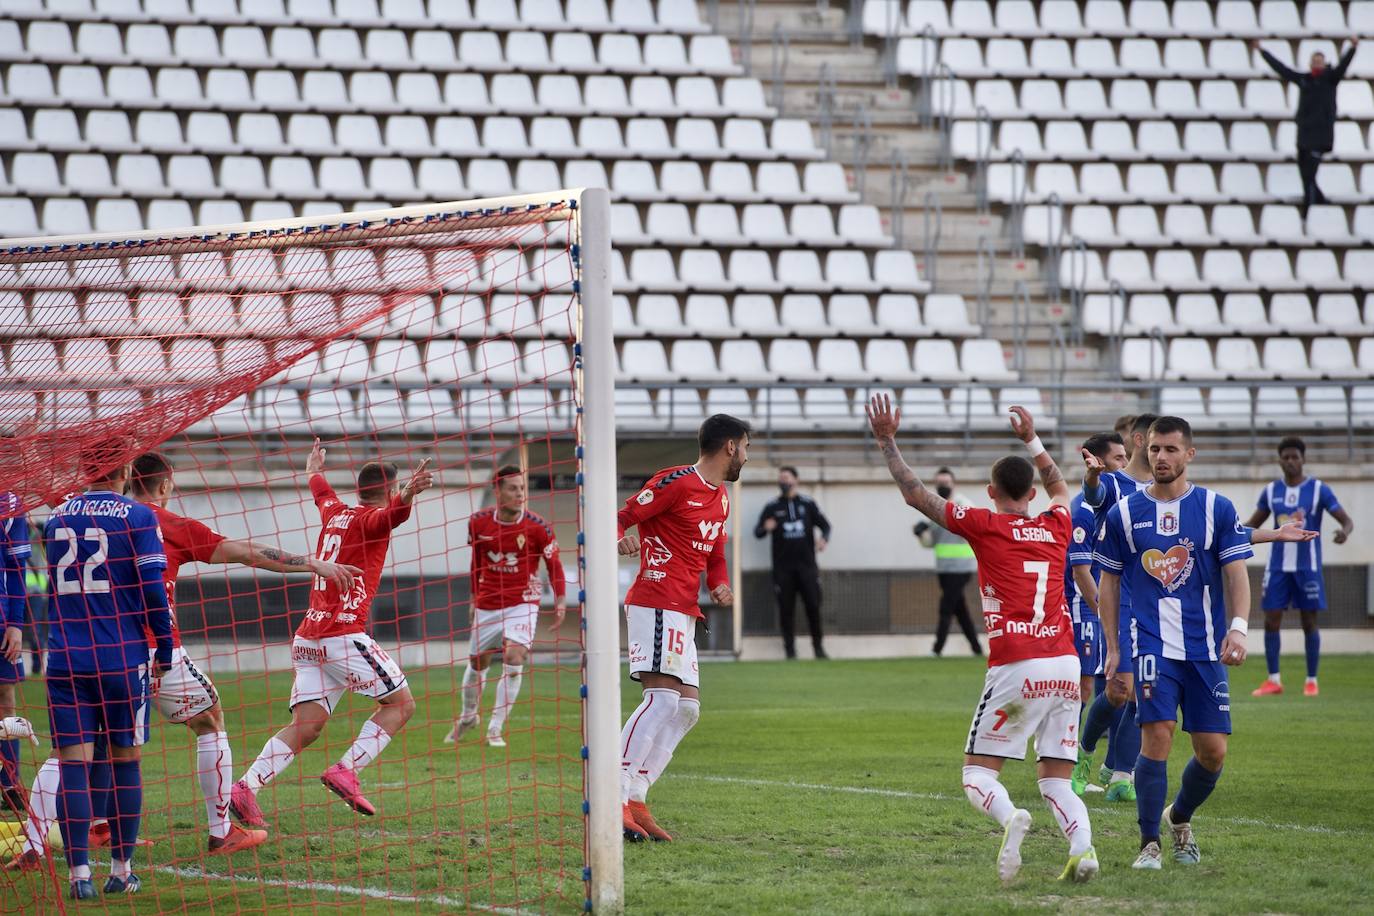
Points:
936	796
347	889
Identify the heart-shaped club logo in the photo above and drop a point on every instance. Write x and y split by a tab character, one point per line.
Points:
1168	567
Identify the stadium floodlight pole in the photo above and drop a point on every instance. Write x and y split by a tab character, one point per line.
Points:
605	840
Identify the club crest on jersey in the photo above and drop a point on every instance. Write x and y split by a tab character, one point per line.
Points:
1172	567
725	504
1168	523
520	541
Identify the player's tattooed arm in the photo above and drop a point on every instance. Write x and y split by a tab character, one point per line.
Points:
260	556
1050	476
884	421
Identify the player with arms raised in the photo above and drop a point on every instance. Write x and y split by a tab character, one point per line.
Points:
1181	550
332	651
680	515
1031	687
507	543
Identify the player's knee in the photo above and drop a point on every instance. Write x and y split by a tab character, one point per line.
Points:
1309	622
1117	694
515	654
403	704
1273	621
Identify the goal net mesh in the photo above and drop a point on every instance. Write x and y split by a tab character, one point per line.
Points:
448	333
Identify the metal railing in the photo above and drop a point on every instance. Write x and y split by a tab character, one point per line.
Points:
745	40
944	115
1054	243
986	273
825	104
932	223
925	98
1020	324
1116	323
863	147
900	178
982	147
781	51
1016	208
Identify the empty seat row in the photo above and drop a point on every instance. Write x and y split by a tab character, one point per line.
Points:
790	270
878	359
1239	358
1240	313
351	48
1190	224
1219	268
1320	406
1102	182
1118	17
753	224
797	315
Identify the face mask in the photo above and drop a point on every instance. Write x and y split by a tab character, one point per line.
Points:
944	491
784	489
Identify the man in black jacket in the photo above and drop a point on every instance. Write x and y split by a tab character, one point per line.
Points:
1316	113
792	520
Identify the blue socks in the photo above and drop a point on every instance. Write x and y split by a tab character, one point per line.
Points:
1198	783
74	812
1312	642
1151	785
1124	745
102	786
128	809
9	769
1271	651
1099	719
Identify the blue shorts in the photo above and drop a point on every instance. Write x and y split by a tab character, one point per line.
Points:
1304	590
1163	686
81	706
11	672
1087	640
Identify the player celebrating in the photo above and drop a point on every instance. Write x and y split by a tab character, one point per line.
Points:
332	651
1032	681
1293	578
1181	551
681	514
507	542
14	558
105	560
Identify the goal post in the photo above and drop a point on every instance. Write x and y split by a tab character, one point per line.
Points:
474	333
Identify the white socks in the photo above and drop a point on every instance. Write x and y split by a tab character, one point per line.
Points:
273	760
1069	812
372	740
121	868
1276	678
215	771
987	794
473	681
42	805
665	742
637	737
507	689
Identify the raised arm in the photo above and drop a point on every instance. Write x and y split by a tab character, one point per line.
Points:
1023	424
1283	71
273	559
1094	490
1338	72
884	421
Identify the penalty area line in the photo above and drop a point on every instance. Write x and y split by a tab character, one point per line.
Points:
375	893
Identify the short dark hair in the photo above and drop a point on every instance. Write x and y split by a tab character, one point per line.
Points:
943	470
504	471
789	469
1163	426
1288	442
150	470
719	429
1124	423
1144	421
375	479
1100	444
1013	475
102	461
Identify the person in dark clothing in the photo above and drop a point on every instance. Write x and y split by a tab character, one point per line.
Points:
793	520
954	566
1316	116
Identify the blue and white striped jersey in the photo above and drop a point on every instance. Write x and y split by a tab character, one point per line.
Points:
1304	503
1080	554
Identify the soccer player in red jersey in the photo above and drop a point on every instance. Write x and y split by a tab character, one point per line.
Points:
332	651
1032	685
507	543
680	514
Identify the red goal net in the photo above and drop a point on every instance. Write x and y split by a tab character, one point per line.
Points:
443	334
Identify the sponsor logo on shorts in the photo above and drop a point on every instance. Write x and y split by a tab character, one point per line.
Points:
309	654
1054	687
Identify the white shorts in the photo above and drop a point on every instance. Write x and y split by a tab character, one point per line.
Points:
492	628
184	692
1036	696
325	668
663	642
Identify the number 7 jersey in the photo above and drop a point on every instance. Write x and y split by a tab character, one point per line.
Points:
1021	564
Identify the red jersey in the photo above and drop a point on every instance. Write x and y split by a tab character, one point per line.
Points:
185	540
354	536
681	521
505	560
1021	579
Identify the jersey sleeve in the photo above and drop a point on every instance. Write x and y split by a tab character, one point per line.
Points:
147	542
1328	500
15	561
652	500
1111	551
1263	501
201	540
717	568
1233	538
474	567
323	493
969	522
1081	540
557	578
384	521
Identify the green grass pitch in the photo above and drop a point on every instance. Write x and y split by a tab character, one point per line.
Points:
808	787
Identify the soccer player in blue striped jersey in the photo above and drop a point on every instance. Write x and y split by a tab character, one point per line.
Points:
105	561
1181	550
1293	578
14	557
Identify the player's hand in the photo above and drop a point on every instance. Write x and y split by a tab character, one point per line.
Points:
1092	468
162	660
1294	531
1112	661
820	545
1340	537
1233	650
419	482
560	611
1022	423
628	546
770	524
315	463
12	644
12	727
882	418
723	595
340	574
